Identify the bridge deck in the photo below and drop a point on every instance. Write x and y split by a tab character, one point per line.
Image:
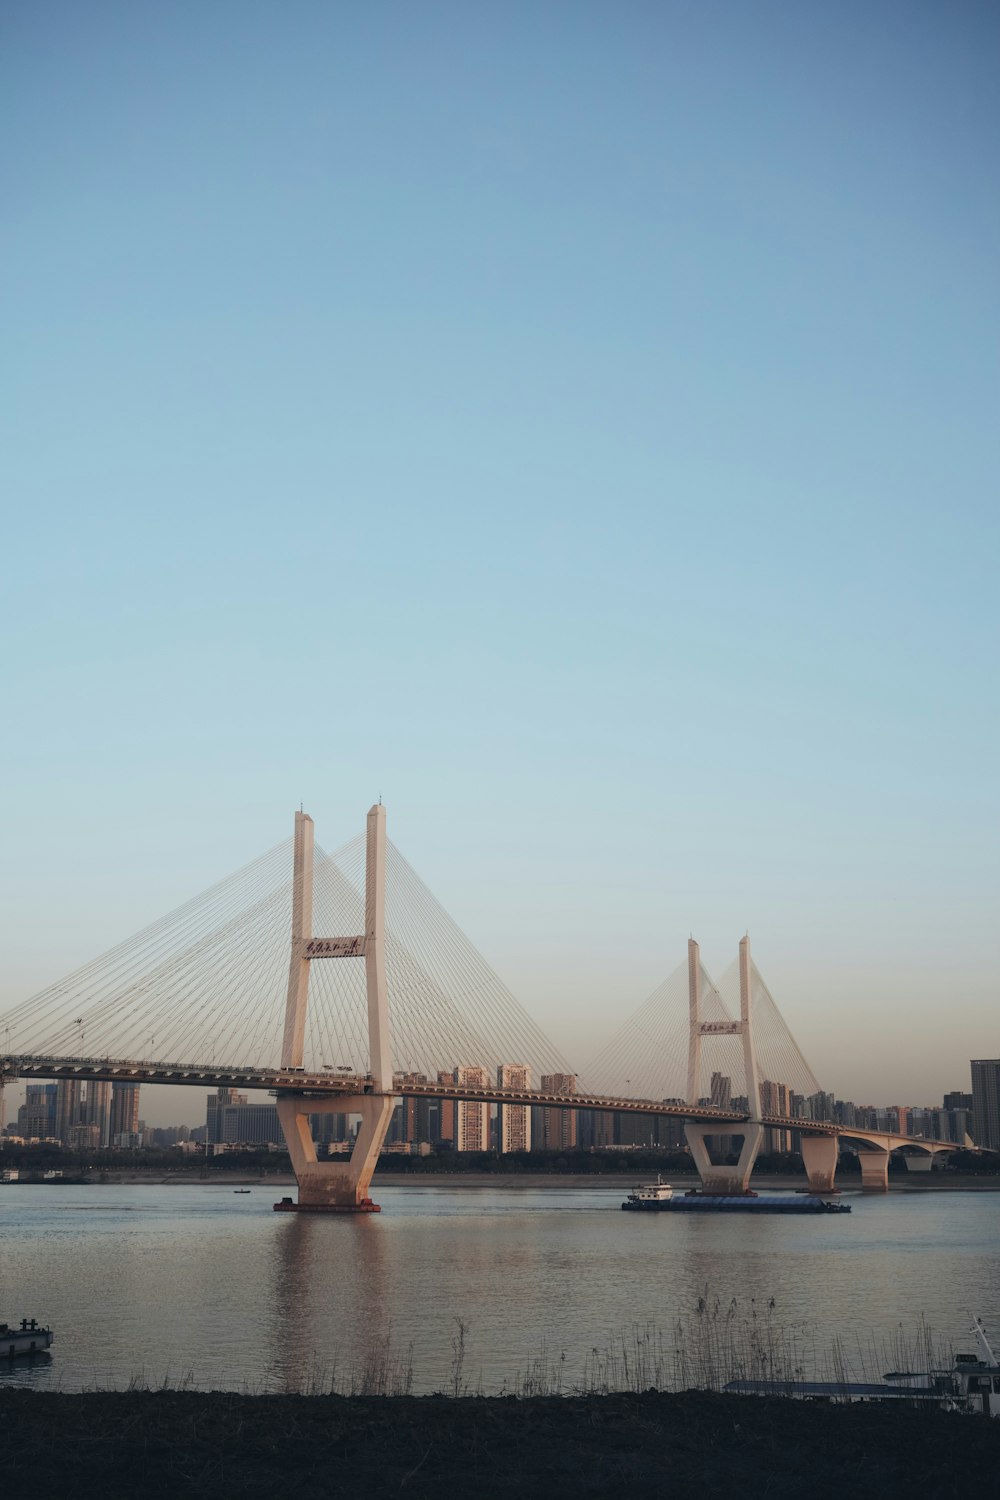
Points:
324	1084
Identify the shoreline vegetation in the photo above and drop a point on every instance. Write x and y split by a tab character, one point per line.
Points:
547	1169
169	1443
648	1417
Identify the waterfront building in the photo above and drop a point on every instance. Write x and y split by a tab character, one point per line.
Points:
472	1118
36	1118
447	1113
986	1102
95	1110
233	1121
69	1091
557	1126
721	1091
413	1119
821	1106
124	1109
774	1100
329	1130
513	1120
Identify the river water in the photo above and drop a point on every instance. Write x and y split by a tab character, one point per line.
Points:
470	1288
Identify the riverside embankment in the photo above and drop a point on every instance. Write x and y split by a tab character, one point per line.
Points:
175	1443
614	1181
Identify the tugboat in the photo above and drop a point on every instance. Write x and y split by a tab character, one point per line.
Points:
651	1195
30	1338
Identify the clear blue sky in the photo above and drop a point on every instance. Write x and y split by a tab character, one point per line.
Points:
576	423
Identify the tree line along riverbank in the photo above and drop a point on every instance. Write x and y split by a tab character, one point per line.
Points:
184	1443
541	1168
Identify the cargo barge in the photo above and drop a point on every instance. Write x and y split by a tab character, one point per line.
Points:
658	1197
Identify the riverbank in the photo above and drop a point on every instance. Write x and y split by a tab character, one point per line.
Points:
617	1182
174	1443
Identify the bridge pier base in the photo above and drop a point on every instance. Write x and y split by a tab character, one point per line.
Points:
725	1181
874	1171
336	1186
819	1157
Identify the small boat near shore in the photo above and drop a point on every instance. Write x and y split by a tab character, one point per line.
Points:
30	1338
971	1384
658	1197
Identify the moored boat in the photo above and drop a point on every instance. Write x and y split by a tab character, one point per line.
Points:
971	1384
30	1338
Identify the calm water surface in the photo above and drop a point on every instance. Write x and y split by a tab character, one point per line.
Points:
197	1284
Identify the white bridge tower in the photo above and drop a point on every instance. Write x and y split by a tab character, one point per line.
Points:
727	1180
338	1186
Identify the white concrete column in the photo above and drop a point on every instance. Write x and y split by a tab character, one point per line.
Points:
340	1183
819	1157
724	1180
874	1171
694	1009
293	1040
379	1039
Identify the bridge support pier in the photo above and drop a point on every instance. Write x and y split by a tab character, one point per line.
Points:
340	1185
727	1181
819	1157
874	1171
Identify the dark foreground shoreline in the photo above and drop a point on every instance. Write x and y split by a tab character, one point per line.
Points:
181	1443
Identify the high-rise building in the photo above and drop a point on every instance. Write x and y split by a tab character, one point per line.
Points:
96	1110
472	1132
558	1126
67	1108
413	1119
721	1093
36	1119
774	1100
124	1110
986	1102
447	1112
232	1121
513	1120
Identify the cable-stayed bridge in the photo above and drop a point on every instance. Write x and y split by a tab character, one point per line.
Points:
338	982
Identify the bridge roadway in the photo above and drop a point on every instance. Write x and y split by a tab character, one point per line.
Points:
322	1085
289	1081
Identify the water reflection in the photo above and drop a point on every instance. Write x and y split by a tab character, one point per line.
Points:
329	1299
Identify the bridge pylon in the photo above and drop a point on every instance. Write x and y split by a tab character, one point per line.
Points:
338	1186
727	1181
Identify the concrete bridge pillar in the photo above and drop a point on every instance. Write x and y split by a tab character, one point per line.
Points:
339	1185
819	1157
725	1180
874	1171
